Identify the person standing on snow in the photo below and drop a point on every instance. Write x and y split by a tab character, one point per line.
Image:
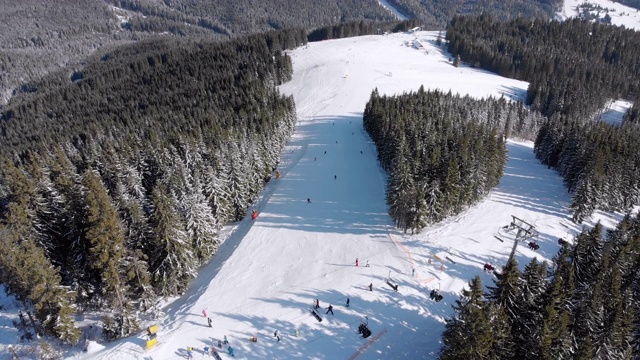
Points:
317	304
367	265
209	321
356	261
204	312
330	309
347	302
371	287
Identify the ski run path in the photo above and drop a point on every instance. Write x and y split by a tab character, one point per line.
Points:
268	272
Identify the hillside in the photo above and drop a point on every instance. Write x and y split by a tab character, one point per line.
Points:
39	37
269	271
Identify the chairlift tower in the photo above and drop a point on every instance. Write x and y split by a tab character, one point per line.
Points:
524	231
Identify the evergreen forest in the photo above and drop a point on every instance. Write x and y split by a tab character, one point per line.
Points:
442	152
38	37
575	68
116	178
584	305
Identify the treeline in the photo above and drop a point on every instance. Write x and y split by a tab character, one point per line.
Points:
584	307
632	3
600	163
113	186
442	152
359	28
38	37
434	15
574	68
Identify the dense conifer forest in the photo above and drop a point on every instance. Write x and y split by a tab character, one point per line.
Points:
116	178
38	37
584	305
442	152
435	15
574	68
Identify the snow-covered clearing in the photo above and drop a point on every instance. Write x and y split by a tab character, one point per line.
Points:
620	14
269	271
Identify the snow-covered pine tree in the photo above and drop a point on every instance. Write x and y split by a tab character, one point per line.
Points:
556	341
468	334
138	238
584	200
202	227
105	235
172	263
401	195
239	181
527	327
70	244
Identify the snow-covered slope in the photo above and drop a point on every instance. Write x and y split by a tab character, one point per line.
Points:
620	14
269	271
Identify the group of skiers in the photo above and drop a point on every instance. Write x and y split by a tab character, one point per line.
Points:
316	306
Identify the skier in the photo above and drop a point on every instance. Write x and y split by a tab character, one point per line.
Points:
209	321
347	302
230	351
325	152
413	272
335	177
225	340
356	261
367	265
189	352
314	159
330	309
308	201
371	287
204	312
254	214
317	304
275	333
219	344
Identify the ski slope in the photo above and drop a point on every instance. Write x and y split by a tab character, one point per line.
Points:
268	272
621	15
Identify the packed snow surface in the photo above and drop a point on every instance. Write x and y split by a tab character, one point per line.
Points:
621	15
269	272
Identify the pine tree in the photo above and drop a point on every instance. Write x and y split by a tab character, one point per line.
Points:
202	228
105	235
468	334
528	325
172	262
401	195
456	61
29	276
505	296
556	341
238	184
